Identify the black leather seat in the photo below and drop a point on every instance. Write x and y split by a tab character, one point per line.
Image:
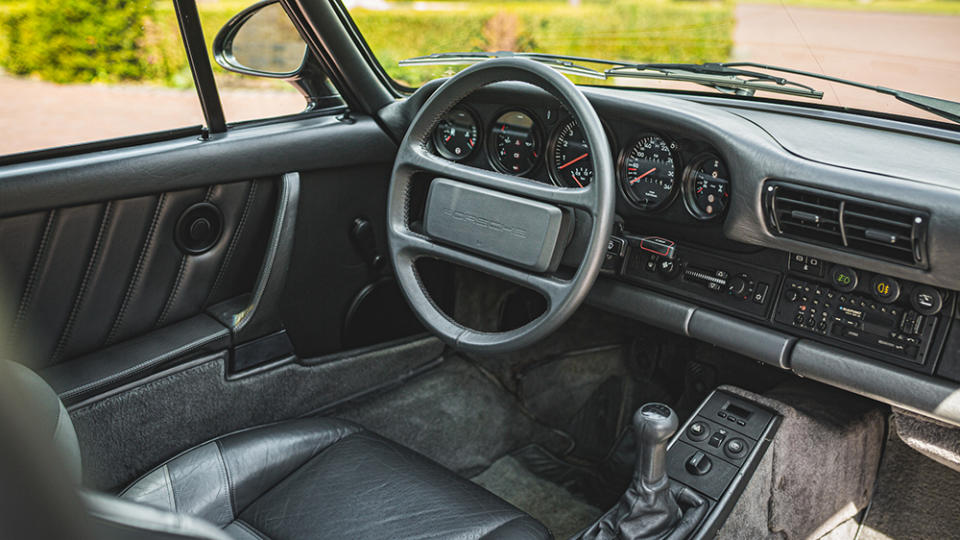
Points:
326	478
306	478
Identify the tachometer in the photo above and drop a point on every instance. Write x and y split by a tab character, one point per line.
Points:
515	140
569	156
706	187
457	134
648	172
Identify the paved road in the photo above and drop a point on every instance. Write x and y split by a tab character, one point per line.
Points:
917	53
36	114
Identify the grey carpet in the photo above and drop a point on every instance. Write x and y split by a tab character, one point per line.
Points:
126	434
551	504
937	440
456	415
916	498
820	468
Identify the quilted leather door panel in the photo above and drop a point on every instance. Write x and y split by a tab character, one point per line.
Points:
77	279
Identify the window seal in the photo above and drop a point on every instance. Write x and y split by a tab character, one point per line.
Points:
102	144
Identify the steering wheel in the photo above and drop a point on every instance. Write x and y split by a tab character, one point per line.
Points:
508	227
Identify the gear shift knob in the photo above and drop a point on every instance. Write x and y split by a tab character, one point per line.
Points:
653	425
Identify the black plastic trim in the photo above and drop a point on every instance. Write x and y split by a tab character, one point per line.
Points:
196	48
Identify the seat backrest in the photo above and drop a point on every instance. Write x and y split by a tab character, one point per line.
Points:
40	472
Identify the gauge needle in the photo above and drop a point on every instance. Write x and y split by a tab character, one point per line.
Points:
572	161
575	176
637	179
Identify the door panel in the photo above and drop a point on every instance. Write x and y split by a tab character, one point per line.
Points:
86	277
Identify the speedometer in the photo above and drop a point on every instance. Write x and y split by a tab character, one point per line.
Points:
569	156
648	172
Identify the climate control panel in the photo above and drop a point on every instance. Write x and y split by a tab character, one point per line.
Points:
706	277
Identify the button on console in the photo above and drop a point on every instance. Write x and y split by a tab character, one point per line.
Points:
698	431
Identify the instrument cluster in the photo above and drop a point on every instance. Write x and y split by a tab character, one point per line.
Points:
654	169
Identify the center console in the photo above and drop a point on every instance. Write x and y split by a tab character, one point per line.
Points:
716	451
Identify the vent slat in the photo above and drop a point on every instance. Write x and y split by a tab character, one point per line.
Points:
870	228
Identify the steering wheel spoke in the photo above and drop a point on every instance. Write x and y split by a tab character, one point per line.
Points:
411	245
421	160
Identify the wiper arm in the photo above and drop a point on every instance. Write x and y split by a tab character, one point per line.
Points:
725	77
713	75
563	64
718	76
940	107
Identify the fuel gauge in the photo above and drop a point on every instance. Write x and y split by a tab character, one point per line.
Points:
706	187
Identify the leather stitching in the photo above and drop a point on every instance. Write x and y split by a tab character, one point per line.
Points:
84	283
231	488
225	264
249	528
27	297
174	289
144	365
138	269
168	482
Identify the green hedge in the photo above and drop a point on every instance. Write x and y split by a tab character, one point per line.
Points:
137	40
78	40
641	31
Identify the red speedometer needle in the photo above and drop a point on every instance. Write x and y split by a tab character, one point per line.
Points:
572	161
637	179
575	177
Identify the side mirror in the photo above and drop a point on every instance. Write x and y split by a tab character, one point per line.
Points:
261	41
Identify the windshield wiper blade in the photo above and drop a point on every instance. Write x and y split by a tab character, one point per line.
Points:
940	107
725	77
718	76
563	64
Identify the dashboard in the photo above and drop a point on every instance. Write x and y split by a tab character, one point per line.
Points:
824	243
674	174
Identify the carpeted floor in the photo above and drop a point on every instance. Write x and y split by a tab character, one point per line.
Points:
456	415
554	506
916	498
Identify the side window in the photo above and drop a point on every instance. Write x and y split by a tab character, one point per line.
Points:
76	71
262	66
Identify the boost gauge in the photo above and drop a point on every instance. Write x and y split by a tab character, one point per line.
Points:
648	172
456	135
706	187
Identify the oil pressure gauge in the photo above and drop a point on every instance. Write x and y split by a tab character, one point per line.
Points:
706	187
457	134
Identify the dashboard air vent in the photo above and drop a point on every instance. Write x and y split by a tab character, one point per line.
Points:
866	227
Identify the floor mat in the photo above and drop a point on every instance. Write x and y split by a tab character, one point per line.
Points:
552	504
454	414
915	498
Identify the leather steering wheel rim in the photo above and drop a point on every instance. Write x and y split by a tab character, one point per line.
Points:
416	157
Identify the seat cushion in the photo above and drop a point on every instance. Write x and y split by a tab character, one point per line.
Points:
326	478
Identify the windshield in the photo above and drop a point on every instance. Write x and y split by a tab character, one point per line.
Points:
910	45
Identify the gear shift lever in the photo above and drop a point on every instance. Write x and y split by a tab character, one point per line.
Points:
649	509
653	425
